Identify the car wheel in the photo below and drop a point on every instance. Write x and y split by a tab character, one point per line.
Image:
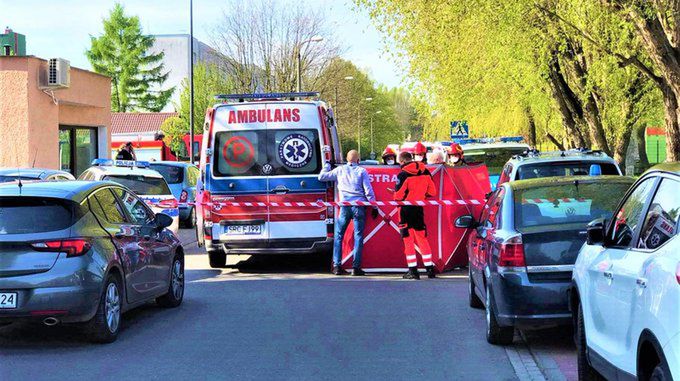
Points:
661	373
585	371
105	325
496	334
218	259
474	300
175	294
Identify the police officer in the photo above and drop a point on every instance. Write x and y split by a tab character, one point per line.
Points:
389	156
126	152
414	183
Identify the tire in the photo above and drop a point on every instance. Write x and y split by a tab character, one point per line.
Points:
218	259
173	298
474	300
585	371
496	334
661	373
190	222
105	325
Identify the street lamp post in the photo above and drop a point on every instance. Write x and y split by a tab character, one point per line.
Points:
298	60
359	118
372	150
336	106
191	81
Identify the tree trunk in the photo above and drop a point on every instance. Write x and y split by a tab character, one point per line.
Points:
554	141
642	152
568	105
531	126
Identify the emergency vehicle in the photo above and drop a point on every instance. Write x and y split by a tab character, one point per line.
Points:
266	148
146	183
157	150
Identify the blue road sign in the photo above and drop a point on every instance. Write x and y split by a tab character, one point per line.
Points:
459	129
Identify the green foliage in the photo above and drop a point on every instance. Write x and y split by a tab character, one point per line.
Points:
393	116
209	81
174	129
121	53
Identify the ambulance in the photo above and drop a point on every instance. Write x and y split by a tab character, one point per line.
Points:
261	152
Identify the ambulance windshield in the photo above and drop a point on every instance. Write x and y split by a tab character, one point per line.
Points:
267	152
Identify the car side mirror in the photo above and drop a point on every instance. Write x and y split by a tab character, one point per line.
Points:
486	196
596	231
163	221
465	222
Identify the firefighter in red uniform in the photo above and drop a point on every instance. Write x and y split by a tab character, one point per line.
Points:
420	153
389	156
455	152
414	183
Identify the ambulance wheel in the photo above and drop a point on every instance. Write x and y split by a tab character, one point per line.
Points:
218	259
474	300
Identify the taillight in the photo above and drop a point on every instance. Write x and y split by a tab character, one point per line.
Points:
170	203
72	247
183	196
206	204
512	253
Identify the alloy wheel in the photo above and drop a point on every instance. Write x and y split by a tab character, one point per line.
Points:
112	307
177	279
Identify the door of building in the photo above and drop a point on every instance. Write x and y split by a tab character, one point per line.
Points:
78	146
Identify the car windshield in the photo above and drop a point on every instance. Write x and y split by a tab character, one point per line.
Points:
565	168
22	215
566	203
7	179
171	173
494	158
141	185
267	152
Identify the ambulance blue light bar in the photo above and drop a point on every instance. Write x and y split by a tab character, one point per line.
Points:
507	139
120	163
309	94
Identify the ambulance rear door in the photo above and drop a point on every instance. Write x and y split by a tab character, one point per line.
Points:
296	157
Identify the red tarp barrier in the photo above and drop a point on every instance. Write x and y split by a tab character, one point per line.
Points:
383	246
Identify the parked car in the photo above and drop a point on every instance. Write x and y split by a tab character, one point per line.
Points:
494	153
181	178
534	164
626	285
28	174
146	183
84	252
525	245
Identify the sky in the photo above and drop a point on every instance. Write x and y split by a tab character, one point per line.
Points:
62	28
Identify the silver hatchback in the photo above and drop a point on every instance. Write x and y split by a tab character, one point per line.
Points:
83	252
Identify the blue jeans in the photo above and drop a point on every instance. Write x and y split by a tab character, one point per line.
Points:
358	215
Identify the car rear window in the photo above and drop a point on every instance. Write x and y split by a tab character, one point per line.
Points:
172	174
23	215
566	203
570	168
494	158
267	152
141	185
7	179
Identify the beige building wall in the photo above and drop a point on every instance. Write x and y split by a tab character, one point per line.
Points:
30	116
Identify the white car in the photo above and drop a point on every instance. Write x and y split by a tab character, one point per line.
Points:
147	184
625	294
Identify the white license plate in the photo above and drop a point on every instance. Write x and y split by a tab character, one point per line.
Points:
8	300
243	229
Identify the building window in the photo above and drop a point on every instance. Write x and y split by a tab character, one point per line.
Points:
78	146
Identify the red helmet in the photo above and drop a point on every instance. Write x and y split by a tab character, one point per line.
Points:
388	152
456	149
420	149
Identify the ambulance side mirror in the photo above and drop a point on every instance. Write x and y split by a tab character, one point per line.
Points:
465	222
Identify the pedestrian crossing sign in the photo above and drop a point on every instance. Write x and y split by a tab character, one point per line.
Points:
459	129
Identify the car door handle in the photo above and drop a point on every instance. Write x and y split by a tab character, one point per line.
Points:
642	283
608	274
280	189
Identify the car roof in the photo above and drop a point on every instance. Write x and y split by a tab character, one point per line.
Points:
72	190
672	167
29	172
122	171
562	180
172	163
558	156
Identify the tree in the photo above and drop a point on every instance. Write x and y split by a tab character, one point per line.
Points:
174	130
258	43
121	53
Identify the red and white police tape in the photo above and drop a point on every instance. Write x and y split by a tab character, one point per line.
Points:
344	203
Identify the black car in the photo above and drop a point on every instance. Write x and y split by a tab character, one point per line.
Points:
525	245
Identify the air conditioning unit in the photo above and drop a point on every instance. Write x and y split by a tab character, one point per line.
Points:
58	75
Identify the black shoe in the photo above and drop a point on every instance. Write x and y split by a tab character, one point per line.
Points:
430	272
358	272
337	270
412	273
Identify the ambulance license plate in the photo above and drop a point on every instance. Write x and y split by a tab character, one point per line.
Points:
243	229
8	300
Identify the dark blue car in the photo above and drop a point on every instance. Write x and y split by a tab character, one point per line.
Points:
181	178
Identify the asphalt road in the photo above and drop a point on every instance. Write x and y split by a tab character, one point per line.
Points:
278	318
